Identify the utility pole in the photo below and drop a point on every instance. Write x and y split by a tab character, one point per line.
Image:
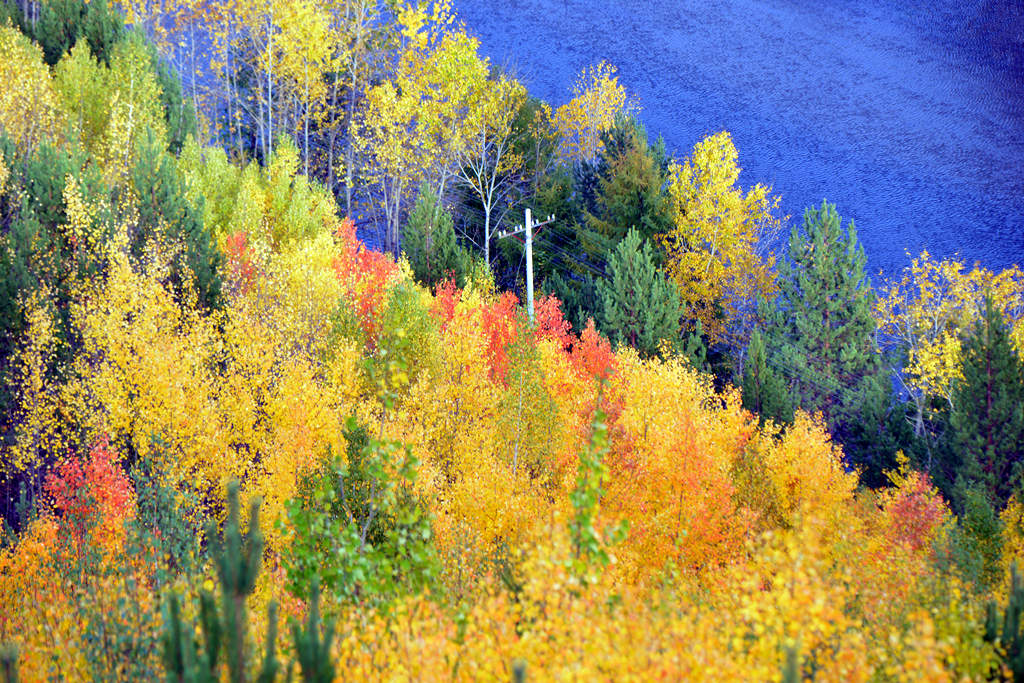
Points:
528	228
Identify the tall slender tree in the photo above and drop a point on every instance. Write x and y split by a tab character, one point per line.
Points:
488	165
987	420
716	249
822	328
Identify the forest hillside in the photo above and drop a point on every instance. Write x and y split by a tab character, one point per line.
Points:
240	444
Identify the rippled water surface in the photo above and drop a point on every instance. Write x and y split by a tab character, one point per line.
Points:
911	122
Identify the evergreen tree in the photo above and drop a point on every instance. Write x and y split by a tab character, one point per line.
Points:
695	349
629	191
428	240
976	542
639	305
226	647
179	111
822	331
987	420
764	391
63	22
166	214
878	429
579	296
1003	628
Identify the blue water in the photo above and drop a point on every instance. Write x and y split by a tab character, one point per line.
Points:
911	121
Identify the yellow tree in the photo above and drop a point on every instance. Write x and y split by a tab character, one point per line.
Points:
258	26
544	137
110	110
83	86
37	418
393	152
226	61
307	43
926	312
135	109
360	32
715	250
415	127
597	99
29	111
448	84
157	18
183	32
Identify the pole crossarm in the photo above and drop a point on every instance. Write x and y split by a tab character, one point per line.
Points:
511	232
528	227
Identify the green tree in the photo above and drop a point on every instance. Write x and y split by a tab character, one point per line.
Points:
976	542
313	644
879	428
639	305
822	331
764	391
237	558
590	547
630	194
62	23
987	420
164	213
357	528
1006	631
428	240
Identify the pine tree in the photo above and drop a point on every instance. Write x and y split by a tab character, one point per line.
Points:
822	331
63	22
313	643
639	305
428	240
629	191
764	391
878	429
987	421
238	558
976	542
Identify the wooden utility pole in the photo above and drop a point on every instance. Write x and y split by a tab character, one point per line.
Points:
527	228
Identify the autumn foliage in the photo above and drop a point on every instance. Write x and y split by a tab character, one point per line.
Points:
467	489
364	274
741	541
91	496
766	527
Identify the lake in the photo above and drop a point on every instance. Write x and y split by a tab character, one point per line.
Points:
910	121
